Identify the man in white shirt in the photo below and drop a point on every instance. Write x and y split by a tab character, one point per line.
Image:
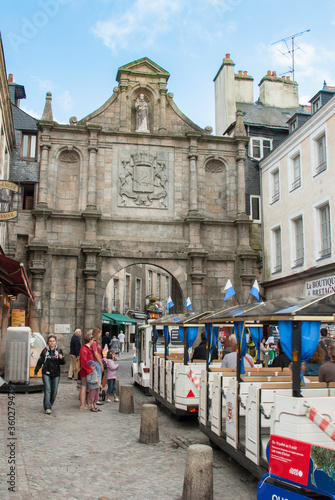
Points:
121	338
230	360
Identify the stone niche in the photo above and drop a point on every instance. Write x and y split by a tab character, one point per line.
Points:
68	169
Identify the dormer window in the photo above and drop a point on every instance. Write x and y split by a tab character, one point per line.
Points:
316	105
293	125
259	147
28	146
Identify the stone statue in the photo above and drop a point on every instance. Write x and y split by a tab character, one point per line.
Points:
141	107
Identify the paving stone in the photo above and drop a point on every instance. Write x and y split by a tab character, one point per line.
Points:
73	454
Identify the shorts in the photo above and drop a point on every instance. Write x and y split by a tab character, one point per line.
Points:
84	381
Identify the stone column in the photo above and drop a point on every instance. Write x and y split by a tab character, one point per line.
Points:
37	269
162	121
197	257
90	272
123	87
44	164
92	165
193	156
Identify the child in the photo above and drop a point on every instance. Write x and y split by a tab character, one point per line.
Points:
111	375
271	354
93	387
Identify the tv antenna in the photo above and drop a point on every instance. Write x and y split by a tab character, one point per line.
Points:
293	48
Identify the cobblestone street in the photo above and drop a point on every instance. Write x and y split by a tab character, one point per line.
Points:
74	454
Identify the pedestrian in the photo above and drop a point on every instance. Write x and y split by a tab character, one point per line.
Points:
106	340
85	355
111	375
230	359
313	365
75	346
50	360
93	383
324	343
263	352
121	338
115	345
281	360
97	354
327	370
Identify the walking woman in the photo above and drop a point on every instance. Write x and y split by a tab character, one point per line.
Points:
50	359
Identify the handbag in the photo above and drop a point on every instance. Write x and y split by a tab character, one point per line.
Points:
77	366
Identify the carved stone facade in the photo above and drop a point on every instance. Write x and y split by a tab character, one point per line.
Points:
118	189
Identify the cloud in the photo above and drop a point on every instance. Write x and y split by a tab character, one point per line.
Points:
142	24
64	100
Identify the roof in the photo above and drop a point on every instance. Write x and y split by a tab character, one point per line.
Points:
117	319
23	121
320	308
188	319
266	116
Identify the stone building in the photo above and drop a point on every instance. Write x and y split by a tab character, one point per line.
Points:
134	182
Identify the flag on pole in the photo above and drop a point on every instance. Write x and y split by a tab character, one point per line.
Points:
229	289
188	304
169	303
255	290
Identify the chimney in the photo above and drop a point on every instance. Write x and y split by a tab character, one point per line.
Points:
278	92
10	78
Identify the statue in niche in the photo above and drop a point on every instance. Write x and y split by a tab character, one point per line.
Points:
142	111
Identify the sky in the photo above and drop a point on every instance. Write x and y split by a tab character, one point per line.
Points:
73	48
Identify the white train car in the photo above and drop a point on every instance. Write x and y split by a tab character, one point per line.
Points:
244	413
175	380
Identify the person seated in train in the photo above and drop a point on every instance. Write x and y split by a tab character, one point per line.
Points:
312	365
327	370
200	352
230	360
281	360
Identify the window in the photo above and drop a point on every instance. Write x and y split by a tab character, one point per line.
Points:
259	147
127	292
296	171
149	282
255	211
299	242
27	196
275	185
321	158
277	253
138	294
316	105
116	304
293	125
325	234
158	286
28	146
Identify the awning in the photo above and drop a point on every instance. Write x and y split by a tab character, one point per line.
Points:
14	277
117	319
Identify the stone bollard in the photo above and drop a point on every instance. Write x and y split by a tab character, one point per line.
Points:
117	387
149	424
126	399
198	478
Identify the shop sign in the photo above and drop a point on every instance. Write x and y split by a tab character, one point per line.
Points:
320	286
5	200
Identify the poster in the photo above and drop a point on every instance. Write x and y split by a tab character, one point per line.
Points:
18	317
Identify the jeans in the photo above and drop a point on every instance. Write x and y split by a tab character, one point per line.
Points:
111	386
50	390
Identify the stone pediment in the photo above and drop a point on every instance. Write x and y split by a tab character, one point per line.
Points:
143	66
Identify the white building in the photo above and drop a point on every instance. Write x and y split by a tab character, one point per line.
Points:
298	199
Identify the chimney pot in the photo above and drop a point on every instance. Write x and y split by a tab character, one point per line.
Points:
240	73
274	73
245	73
288	78
10	78
227	56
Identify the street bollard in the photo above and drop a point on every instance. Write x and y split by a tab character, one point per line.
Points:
198	478
149	425
126	399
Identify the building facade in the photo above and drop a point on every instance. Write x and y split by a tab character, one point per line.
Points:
298	201
134	182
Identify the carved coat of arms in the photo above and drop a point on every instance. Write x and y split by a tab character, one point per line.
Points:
143	180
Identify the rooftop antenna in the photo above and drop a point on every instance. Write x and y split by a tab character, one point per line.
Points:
293	45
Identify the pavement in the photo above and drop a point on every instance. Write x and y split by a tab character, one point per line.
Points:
73	454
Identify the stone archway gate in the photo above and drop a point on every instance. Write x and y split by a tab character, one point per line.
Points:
117	188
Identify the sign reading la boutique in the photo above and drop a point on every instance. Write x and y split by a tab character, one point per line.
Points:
320	286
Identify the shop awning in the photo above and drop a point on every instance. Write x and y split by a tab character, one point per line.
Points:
14	277
117	319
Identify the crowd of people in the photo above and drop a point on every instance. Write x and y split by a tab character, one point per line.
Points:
92	363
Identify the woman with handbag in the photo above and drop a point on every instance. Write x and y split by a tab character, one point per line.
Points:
50	360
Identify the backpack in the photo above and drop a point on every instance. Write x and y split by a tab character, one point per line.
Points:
77	365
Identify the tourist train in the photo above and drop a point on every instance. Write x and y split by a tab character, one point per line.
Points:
242	411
